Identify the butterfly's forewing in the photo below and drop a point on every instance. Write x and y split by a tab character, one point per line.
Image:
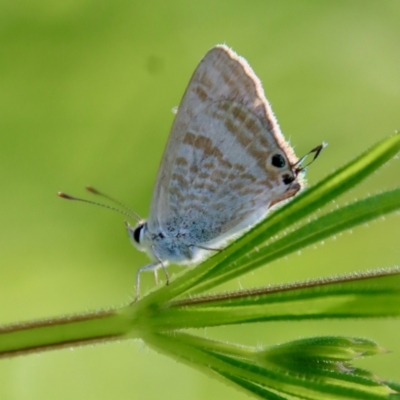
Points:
217	175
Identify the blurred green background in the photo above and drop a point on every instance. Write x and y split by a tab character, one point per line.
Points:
86	92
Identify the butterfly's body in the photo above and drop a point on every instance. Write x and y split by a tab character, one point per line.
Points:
225	164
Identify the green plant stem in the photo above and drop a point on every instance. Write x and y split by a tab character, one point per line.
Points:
55	333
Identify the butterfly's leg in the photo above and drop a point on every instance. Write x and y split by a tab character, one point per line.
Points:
163	266
155	276
149	267
166	273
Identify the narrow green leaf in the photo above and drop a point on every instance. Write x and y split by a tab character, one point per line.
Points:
367	295
327	348
258	390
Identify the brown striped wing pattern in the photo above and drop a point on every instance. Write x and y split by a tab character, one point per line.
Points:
217	176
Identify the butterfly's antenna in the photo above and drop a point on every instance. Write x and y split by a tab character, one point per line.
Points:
317	150
68	197
95	191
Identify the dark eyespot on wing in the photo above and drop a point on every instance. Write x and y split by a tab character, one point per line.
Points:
287	179
278	161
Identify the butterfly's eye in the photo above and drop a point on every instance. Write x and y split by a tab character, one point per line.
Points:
278	161
137	233
287	179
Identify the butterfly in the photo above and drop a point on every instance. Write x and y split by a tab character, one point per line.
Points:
226	163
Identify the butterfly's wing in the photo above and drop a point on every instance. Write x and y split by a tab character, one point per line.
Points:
226	161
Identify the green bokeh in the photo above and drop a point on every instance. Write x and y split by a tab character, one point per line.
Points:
86	92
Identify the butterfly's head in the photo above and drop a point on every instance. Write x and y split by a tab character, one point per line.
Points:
137	234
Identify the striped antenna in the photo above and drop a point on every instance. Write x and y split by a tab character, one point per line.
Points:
132	215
